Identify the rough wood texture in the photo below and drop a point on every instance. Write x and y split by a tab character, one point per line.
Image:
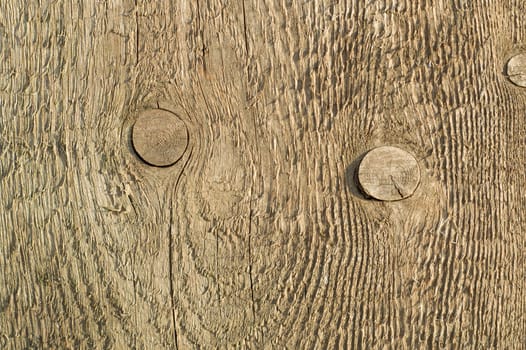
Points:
257	237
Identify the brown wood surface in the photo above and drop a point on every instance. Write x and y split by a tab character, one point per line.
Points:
258	236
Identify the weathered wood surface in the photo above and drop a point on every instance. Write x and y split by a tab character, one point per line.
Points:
258	237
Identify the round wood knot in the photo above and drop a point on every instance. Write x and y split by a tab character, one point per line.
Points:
516	70
388	174
159	137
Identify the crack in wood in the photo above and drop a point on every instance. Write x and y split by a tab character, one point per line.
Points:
396	186
245	29
136	34
170	252
250	261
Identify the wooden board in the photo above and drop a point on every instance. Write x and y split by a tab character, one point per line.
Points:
258	236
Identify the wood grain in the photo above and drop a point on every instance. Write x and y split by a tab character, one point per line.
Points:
257	236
